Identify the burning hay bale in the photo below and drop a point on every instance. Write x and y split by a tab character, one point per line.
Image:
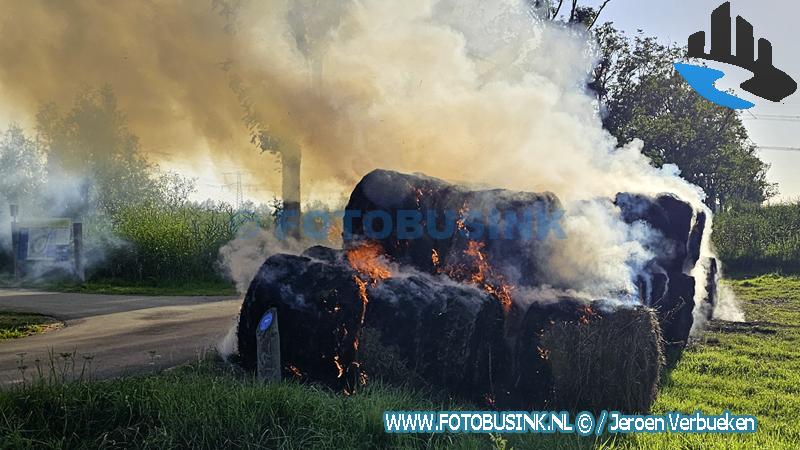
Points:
464	310
441	331
448	336
573	354
456	225
318	305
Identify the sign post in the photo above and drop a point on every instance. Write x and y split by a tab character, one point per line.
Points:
14	241
268	347
77	240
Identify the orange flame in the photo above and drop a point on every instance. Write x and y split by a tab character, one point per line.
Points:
367	259
295	371
484	276
362	293
462	213
338	366
587	313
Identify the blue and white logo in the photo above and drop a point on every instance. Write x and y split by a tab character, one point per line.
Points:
768	82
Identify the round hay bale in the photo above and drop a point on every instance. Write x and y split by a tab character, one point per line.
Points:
443	203
445	333
611	361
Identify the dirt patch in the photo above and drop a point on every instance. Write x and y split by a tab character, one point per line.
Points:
758	327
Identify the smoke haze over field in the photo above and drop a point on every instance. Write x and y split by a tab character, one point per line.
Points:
469	90
358	85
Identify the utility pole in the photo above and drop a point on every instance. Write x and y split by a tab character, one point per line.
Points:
238	186
239	196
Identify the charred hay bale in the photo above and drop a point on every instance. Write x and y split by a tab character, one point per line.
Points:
669	288
318	307
675	310
389	192
575	355
434	332
669	216
449	335
451	218
530	380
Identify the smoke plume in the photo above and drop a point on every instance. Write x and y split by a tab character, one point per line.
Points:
471	90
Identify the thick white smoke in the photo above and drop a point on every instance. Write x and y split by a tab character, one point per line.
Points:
480	91
242	257
466	90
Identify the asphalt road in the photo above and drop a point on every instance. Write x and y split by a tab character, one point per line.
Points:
113	335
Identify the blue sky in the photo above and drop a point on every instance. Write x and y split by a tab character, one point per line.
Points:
776	20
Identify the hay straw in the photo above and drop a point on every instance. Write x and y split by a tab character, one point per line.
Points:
612	362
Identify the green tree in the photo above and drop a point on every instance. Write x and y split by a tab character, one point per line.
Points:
642	96
21	166
92	146
570	12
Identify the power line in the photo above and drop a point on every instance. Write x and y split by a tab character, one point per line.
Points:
780	116
783	149
774	117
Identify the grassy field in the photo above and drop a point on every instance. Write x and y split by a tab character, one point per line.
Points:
747	368
16	325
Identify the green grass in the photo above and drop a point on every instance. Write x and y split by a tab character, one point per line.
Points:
17	325
202	406
112	287
121	287
747	368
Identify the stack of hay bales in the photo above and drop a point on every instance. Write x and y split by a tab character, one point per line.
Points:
666	284
672	288
427	324
442	331
450	337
